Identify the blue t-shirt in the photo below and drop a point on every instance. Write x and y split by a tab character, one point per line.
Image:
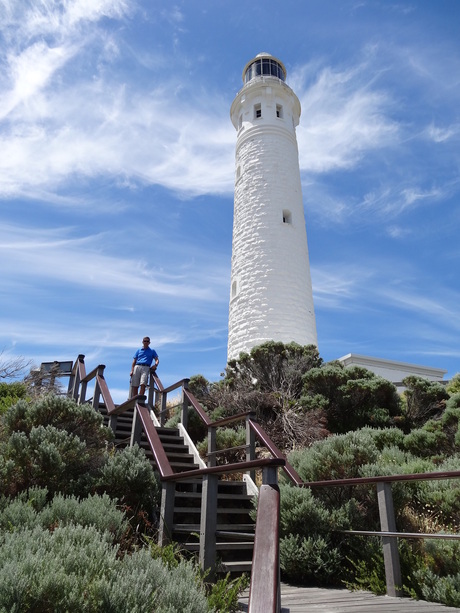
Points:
145	357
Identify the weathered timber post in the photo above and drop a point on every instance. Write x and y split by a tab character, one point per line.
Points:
266	583
113	419
389	544
136	428
151	401
208	525
212	446
74	379
250	443
82	394
184	411
97	387
164	400
168	491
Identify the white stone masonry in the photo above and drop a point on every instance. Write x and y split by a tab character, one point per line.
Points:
271	293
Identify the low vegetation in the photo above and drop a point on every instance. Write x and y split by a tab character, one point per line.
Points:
78	519
335	423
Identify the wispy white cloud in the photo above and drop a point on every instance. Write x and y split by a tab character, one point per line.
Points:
441	134
53	134
339	287
343	117
53	255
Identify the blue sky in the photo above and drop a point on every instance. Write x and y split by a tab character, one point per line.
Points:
117	168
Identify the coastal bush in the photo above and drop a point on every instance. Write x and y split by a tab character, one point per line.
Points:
76	568
31	509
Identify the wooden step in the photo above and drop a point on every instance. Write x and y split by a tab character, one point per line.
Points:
221	546
225	527
236	567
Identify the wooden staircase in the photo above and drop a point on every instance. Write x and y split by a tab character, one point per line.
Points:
235	527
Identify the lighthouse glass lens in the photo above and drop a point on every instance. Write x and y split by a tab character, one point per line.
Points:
265	66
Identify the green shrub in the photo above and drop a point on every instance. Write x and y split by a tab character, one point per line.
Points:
454	385
196	428
440	499
128	476
31	509
60	412
365	560
423	400
226	438
355	396
223	594
76	568
51	458
310	560
10	393
51	443
303	514
429	586
336	457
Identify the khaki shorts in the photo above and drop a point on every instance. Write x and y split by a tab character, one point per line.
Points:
140	376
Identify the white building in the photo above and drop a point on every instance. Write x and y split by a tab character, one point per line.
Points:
271	293
392	370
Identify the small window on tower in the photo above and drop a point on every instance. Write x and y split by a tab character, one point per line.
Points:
234	289
240	122
287	217
257	111
279	111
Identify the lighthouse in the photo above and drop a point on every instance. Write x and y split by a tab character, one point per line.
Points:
271	294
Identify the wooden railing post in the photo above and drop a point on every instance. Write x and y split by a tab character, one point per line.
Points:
151	400
82	394
97	389
136	428
265	590
208	525
390	544
74	379
168	491
185	403
157	396
270	475
212	446
164	401
250	443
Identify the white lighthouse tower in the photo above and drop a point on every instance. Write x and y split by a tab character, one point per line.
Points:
271	294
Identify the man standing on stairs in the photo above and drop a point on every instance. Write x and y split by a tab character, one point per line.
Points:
142	363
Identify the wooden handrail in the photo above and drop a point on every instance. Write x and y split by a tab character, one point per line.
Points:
107	398
270	445
453	474
162	462
174	386
230	419
128	404
92	375
158	383
225	469
197	406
